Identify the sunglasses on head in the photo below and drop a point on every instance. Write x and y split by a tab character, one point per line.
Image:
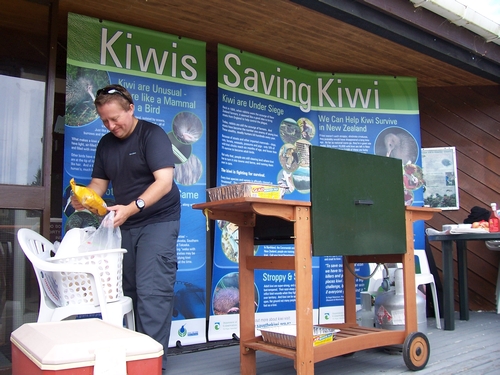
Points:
111	91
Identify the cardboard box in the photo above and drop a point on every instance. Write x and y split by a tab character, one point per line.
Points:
83	347
286	335
246	189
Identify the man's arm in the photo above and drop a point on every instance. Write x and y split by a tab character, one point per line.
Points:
160	187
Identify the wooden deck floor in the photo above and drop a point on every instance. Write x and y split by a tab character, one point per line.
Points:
472	348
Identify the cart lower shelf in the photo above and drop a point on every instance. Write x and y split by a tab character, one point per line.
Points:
415	346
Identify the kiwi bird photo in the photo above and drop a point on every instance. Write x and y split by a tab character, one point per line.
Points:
397	143
187	127
81	87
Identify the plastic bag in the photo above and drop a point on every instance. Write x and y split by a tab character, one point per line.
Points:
71	242
106	237
88	198
82	240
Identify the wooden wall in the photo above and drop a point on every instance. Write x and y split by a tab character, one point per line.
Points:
469	119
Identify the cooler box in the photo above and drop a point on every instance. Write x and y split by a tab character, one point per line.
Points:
83	347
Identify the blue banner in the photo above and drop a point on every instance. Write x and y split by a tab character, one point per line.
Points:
269	114
166	76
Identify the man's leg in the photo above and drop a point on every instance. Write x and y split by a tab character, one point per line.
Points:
156	269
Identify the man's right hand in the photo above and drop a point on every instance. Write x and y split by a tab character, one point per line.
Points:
76	204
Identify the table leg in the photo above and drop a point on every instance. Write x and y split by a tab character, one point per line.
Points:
303	289
248	365
448	283
463	291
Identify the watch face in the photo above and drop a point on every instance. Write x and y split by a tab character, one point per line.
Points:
140	203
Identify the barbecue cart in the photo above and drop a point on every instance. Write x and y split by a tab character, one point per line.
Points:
364	223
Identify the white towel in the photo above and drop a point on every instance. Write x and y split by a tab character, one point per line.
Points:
110	361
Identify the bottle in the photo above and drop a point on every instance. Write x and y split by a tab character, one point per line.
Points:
494	222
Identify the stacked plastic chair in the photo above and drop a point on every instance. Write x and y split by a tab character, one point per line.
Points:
494	245
423	276
38	250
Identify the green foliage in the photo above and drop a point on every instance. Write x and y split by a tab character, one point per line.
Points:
441	200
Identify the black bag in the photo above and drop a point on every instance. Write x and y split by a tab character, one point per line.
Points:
477	214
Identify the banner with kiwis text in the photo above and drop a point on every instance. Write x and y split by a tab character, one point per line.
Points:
166	76
268	115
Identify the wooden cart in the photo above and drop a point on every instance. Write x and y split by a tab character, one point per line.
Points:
357	211
292	219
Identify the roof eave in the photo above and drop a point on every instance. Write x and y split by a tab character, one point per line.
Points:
417	28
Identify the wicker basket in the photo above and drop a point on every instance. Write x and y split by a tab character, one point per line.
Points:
246	189
286	335
76	288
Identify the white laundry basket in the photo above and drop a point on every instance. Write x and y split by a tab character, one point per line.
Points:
76	288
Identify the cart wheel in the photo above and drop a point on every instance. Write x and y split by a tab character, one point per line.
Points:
416	351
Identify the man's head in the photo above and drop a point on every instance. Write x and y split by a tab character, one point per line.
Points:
115	107
114	93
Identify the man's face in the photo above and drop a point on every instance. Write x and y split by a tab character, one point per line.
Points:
118	121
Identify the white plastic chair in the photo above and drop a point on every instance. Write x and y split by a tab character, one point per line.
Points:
38	250
426	277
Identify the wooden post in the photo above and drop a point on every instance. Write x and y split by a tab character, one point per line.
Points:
247	301
303	291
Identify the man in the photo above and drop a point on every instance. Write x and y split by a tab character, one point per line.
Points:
136	157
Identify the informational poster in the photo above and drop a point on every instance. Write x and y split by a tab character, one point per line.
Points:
166	76
440	175
269	114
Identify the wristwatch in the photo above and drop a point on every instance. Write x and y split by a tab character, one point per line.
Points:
140	204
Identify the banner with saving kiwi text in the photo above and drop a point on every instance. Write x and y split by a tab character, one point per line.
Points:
269	113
